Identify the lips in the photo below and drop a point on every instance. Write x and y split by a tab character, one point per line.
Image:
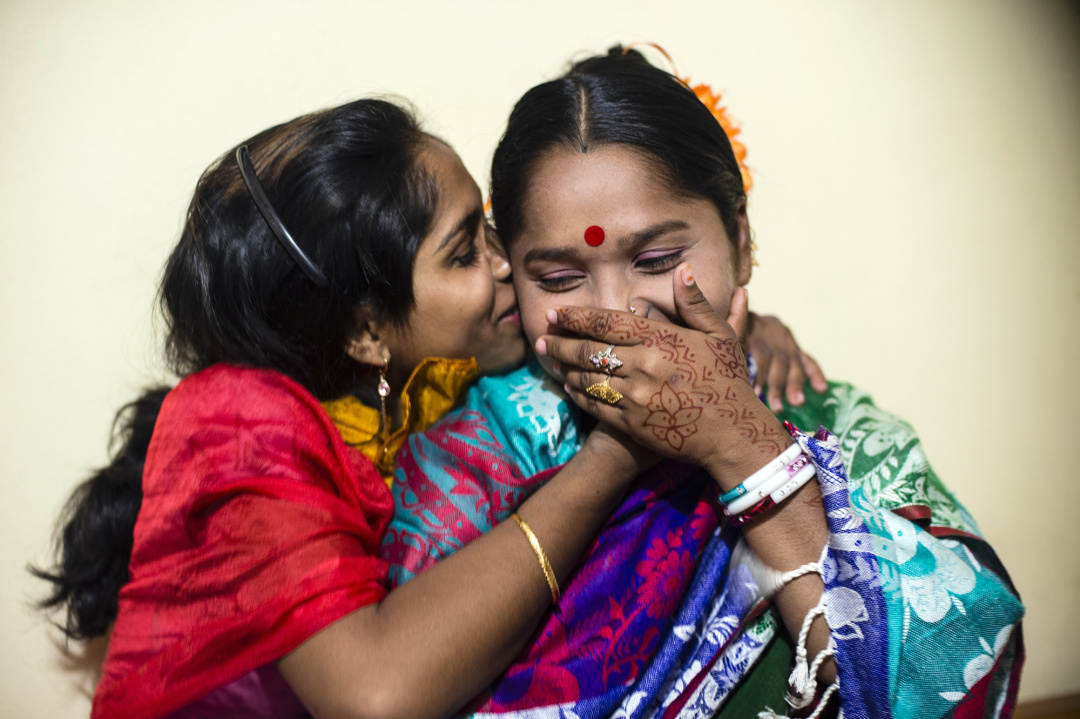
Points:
511	316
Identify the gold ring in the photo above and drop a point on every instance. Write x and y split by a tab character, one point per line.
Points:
604	391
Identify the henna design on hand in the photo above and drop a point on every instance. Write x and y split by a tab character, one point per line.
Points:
730	358
672	416
602	322
746	423
673	412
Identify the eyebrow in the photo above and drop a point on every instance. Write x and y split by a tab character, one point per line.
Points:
651	233
550	254
470	219
556	254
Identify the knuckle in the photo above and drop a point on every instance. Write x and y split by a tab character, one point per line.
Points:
583	356
645	366
583	383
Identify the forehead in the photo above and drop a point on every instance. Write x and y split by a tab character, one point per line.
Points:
610	186
443	164
456	192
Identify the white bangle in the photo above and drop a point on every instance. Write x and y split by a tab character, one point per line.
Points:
766	472
801	477
776	481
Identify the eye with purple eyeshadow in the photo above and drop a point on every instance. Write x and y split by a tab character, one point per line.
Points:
658	261
560	280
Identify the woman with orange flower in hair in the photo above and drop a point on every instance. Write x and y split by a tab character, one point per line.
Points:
755	560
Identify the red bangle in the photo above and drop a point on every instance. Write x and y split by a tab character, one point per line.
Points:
760	508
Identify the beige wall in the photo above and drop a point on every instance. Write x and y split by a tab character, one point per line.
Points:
917	209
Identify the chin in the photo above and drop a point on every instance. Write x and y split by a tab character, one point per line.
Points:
510	358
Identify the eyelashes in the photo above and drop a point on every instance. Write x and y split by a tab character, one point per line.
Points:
558	282
468	257
657	262
649	263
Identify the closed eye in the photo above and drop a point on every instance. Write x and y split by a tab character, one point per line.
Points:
659	261
560	280
466	251
468	255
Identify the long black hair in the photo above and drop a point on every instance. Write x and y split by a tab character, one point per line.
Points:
349	186
617	98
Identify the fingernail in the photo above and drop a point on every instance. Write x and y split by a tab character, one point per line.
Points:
799	399
777	405
566	387
557	367
541	347
688	275
552	317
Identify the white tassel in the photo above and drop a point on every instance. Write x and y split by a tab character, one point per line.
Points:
803	679
802	683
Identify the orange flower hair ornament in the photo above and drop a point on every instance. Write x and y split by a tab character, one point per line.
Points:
711	99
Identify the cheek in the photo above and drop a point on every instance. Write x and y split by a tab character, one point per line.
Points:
464	301
532	306
534	319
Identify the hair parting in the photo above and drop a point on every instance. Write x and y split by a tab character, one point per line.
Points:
616	99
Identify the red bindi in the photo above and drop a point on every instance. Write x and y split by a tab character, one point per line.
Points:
594	236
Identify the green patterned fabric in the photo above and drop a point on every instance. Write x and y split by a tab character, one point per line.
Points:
933	585
882	453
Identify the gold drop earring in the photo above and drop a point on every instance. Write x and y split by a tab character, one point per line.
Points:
384	392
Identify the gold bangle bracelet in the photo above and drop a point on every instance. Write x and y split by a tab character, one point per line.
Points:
545	565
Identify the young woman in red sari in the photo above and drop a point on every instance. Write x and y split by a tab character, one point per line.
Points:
329	256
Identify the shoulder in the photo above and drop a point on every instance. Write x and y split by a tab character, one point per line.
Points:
883	456
223	401
840	408
240	392
227	422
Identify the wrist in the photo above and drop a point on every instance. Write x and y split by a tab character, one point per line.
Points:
729	468
618	454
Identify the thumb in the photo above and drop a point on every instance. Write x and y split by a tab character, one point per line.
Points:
694	309
739	315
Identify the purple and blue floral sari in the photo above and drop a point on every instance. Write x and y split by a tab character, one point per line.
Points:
661	618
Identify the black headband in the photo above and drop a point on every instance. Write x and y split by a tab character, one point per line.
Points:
247	171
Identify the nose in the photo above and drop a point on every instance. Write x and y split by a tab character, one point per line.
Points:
500	267
500	264
614	297
618	294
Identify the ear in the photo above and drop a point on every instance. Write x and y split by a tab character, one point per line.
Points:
366	345
743	245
